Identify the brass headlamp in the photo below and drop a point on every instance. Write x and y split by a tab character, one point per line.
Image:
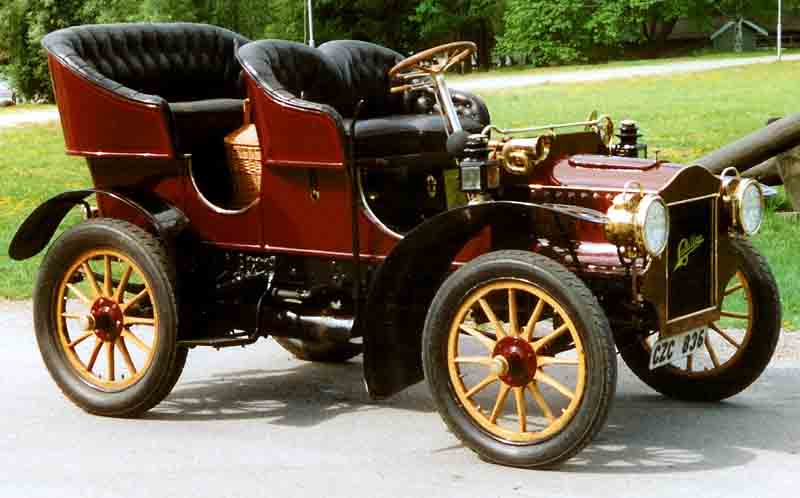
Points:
745	200
639	223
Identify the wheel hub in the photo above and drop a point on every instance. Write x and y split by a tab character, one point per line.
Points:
108	319
519	358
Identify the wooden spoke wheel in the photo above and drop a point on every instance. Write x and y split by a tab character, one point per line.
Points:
519	358
737	347
106	318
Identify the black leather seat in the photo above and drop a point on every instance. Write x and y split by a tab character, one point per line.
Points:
338	74
190	69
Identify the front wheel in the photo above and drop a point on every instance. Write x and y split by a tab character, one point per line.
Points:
737	347
106	318
519	358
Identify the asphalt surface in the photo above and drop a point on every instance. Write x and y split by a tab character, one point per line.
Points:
255	422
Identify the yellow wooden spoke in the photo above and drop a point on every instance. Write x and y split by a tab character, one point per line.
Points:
107	284
558	386
544	341
739	316
137	320
123	282
127	334
134	300
530	327
712	352
501	399
479	360
126	355
725	336
110	359
477	334
481	385
735	288
522	410
513	319
544	361
92	281
98	344
80	339
492	318
74	316
79	294
537	396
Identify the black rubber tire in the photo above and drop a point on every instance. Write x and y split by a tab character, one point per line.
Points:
168	360
733	379
592	325
322	352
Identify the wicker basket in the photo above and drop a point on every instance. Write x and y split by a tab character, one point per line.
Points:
244	159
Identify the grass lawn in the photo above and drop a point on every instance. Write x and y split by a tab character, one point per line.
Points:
683	116
530	69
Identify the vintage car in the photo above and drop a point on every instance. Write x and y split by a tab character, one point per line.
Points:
342	199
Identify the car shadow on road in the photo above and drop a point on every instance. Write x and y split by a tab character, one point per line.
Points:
650	434
303	395
646	433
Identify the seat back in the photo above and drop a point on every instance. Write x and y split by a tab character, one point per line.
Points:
292	70
177	61
364	74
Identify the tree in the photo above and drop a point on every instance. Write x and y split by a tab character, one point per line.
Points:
448	20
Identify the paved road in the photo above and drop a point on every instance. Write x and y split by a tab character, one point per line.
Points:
254	422
595	74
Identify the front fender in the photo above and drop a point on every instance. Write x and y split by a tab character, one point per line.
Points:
408	279
38	228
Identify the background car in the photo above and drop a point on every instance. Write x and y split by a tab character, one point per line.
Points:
7	96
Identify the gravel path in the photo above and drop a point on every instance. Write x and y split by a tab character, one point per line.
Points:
514	81
588	75
27	117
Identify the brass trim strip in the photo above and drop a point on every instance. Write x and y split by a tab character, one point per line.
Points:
693	199
214	207
690	315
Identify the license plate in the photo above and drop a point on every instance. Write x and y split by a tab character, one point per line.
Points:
670	349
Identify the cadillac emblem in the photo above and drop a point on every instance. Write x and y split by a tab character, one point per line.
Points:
685	249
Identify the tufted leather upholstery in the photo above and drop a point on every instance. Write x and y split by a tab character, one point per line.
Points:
292	70
189	69
363	71
148	62
334	77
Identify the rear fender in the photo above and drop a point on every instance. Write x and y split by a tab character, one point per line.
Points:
36	231
407	281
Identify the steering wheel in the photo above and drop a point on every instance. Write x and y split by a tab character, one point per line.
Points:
412	68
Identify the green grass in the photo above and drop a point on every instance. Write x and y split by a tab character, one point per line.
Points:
526	70
684	116
34	167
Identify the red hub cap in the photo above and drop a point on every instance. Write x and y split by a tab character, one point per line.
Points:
108	319
521	359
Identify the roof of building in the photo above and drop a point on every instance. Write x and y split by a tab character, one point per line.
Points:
755	27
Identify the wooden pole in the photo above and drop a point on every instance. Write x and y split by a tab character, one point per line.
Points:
780	29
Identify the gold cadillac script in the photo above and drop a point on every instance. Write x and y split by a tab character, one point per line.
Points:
685	249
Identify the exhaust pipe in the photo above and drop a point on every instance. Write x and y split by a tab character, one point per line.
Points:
777	138
323	328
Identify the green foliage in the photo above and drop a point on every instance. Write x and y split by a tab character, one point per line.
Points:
23	23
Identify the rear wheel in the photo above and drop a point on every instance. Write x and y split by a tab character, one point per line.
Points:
519	358
737	347
106	319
